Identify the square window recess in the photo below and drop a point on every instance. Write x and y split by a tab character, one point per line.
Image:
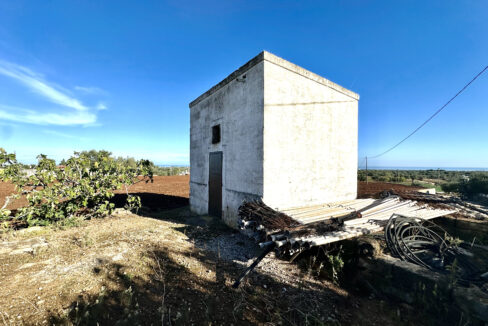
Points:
216	134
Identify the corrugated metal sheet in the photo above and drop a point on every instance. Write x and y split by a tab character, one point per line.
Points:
374	214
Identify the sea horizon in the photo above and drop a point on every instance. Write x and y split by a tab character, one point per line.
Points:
467	169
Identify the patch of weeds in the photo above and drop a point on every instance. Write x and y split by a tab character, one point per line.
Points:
5	227
334	266
322	262
455	241
70	222
83	313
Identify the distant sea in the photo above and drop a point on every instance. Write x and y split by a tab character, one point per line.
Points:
423	168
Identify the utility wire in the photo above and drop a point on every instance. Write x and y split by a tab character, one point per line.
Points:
432	116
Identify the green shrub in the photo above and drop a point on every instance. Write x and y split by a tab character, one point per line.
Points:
477	184
82	187
168	170
361	175
450	187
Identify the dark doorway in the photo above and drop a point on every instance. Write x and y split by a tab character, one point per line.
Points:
215	184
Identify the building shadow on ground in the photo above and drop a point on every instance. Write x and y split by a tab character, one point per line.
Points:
172	292
153	201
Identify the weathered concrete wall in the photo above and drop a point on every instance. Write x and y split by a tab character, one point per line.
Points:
310	138
238	108
430	291
288	135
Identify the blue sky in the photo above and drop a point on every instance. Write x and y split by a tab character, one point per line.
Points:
118	75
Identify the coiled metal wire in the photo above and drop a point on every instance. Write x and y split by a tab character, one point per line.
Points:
424	243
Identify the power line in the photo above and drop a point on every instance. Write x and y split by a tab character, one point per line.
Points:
432	116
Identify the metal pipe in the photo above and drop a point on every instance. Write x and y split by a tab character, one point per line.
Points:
253	265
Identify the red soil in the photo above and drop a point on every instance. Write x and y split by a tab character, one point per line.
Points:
174	191
164	192
9	189
373	189
178	185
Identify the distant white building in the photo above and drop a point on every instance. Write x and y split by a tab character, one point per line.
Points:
275	131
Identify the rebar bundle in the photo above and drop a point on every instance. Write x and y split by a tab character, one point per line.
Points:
270	225
261	214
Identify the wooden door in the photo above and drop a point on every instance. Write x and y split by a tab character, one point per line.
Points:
215	184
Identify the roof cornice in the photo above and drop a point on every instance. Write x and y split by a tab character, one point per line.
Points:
267	56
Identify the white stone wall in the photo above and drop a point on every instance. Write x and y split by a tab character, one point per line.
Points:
288	136
238	108
310	138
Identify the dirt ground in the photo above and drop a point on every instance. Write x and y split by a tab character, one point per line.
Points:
8	189
166	266
172	267
176	191
178	185
163	193
373	189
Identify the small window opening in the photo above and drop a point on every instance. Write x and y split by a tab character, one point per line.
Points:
216	134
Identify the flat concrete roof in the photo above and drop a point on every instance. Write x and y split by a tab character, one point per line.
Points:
267	56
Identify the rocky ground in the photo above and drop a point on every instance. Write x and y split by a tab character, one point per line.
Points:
166	267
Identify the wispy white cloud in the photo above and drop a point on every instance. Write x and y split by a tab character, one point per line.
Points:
101	106
49	118
92	125
90	90
82	114
37	84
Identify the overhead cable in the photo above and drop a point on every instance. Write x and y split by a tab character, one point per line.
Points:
432	116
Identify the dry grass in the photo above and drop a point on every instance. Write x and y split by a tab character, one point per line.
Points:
141	270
